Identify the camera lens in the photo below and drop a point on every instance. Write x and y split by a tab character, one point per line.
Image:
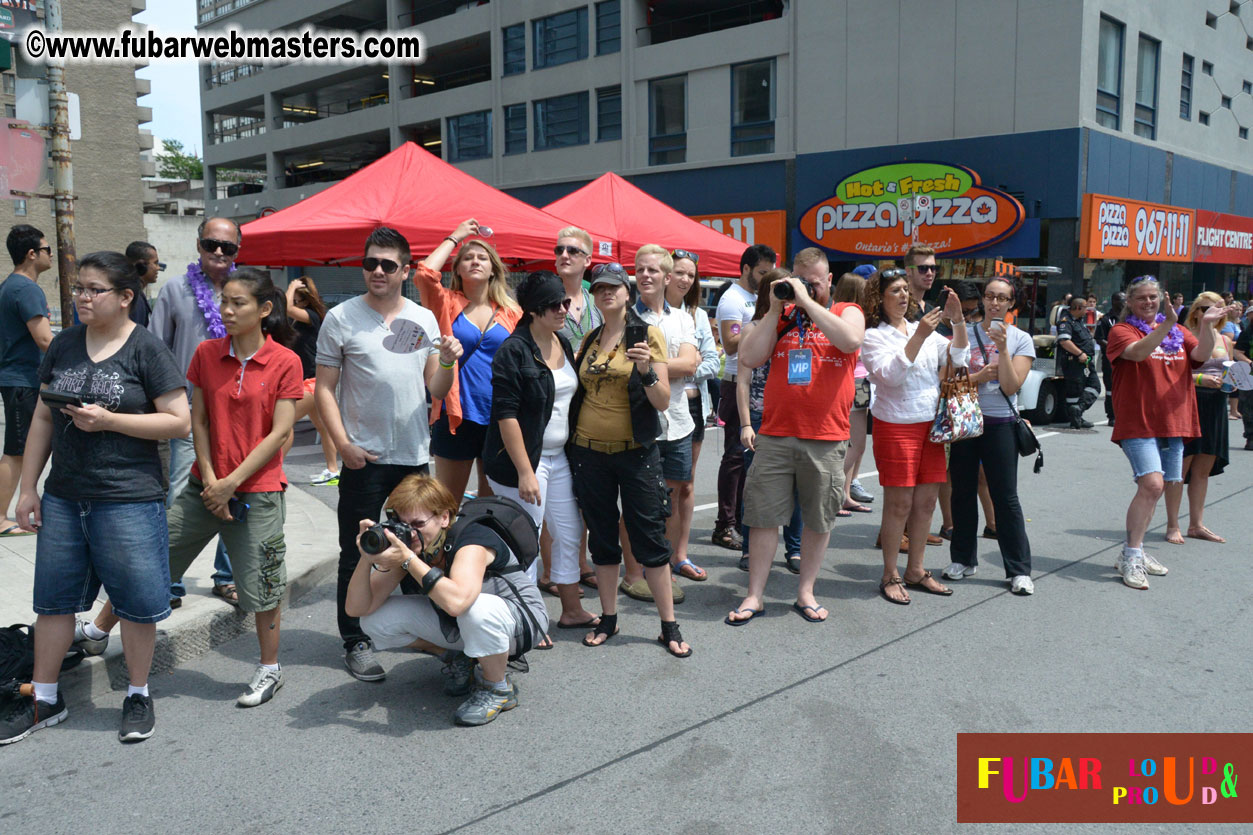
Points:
783	290
373	541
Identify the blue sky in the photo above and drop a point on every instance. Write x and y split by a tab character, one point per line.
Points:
175	96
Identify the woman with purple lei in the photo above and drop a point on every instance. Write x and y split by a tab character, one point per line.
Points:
1154	362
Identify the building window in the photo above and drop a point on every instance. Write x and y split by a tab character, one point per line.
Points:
19	208
515	49
10	111
667	120
559	39
1202	117
1244	133
608	114
1207	68
1226	102
1109	74
515	129
10	83
1146	87
470	136
1248	87
561	121
752	108
1185	89
608	27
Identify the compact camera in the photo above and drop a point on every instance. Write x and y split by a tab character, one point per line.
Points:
374	541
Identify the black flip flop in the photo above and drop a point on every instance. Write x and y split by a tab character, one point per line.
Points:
803	611
753	613
587	624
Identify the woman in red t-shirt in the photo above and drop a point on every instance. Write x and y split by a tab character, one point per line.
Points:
1155	400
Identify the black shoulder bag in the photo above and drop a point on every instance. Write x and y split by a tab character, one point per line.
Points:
1024	438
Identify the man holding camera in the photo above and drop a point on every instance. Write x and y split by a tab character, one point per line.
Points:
811	347
381	353
462	589
1075	358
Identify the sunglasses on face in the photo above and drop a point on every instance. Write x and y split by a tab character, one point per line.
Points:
927	268
562	249
227	248
563	305
683	253
46	249
371	263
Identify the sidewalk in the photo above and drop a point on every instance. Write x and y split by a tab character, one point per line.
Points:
203	621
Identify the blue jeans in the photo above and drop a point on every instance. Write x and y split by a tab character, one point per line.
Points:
792	530
182	455
123	546
1155	455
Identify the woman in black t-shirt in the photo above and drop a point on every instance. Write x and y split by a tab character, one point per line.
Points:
102	518
306	310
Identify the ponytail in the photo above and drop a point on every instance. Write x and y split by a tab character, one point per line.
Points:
261	287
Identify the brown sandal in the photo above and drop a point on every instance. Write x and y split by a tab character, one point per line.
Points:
883	590
920	584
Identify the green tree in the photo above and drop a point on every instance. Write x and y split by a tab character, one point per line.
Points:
176	164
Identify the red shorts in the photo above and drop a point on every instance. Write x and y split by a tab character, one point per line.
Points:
904	456
309	385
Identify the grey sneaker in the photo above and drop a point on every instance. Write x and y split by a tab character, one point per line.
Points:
138	719
362	664
265	683
486	703
858	493
1132	570
1152	566
957	571
458	671
23	715
91	646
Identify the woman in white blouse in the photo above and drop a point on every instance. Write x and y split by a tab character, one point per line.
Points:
904	359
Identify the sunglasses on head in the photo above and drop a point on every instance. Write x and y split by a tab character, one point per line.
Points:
683	253
370	264
562	249
611	267
889	275
227	248
1141	278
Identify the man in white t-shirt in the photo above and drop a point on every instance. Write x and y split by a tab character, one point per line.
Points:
735	310
382	353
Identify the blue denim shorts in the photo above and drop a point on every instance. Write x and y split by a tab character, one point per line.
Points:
1155	455
676	458
123	546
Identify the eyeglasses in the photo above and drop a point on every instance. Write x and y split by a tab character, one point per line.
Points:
971	312
89	293
927	268
992	297
564	304
683	253
160	266
227	248
371	263
562	249
612	267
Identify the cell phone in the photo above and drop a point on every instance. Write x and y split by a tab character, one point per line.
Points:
997	325
944	294
59	399
636	334
238	509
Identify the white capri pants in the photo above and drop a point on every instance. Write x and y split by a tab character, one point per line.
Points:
486	629
559	510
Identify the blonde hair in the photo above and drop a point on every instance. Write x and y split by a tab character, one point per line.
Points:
807	257
1207	299
576	232
497	282
849	288
666	262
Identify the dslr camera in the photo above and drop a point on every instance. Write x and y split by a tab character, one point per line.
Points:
374	541
783	290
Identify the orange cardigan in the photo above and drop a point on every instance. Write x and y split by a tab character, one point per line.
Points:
447	306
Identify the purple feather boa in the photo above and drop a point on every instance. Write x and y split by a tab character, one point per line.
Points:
201	286
1173	341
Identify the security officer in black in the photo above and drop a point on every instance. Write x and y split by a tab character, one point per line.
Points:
1075	355
1103	325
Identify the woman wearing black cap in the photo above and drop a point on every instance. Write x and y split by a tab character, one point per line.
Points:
613	450
533	381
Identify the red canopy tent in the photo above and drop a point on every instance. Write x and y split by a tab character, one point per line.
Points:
412	191
635	218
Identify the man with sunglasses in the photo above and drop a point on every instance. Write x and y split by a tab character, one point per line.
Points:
572	255
381	352
184	315
25	334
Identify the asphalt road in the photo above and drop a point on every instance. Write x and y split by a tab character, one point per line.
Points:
847	726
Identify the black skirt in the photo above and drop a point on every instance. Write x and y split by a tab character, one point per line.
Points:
1211	409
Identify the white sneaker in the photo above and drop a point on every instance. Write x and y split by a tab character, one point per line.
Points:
1021	584
265	683
1154	567
957	570
1132	569
91	646
325	479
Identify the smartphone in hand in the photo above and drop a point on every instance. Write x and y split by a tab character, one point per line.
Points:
636	334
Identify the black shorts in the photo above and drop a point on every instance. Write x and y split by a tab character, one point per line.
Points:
19	410
698	417
466	445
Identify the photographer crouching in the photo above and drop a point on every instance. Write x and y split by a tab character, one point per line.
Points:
426	583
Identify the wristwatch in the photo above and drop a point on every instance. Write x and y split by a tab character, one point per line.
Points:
404	566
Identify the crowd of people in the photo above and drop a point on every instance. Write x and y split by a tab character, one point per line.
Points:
581	399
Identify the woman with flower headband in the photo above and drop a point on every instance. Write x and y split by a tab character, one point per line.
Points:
1155	365
477	309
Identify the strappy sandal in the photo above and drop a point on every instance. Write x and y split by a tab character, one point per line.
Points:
920	584
608	627
670	633
883	590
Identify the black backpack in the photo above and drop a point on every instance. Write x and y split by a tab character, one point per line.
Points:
17	653
504	517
